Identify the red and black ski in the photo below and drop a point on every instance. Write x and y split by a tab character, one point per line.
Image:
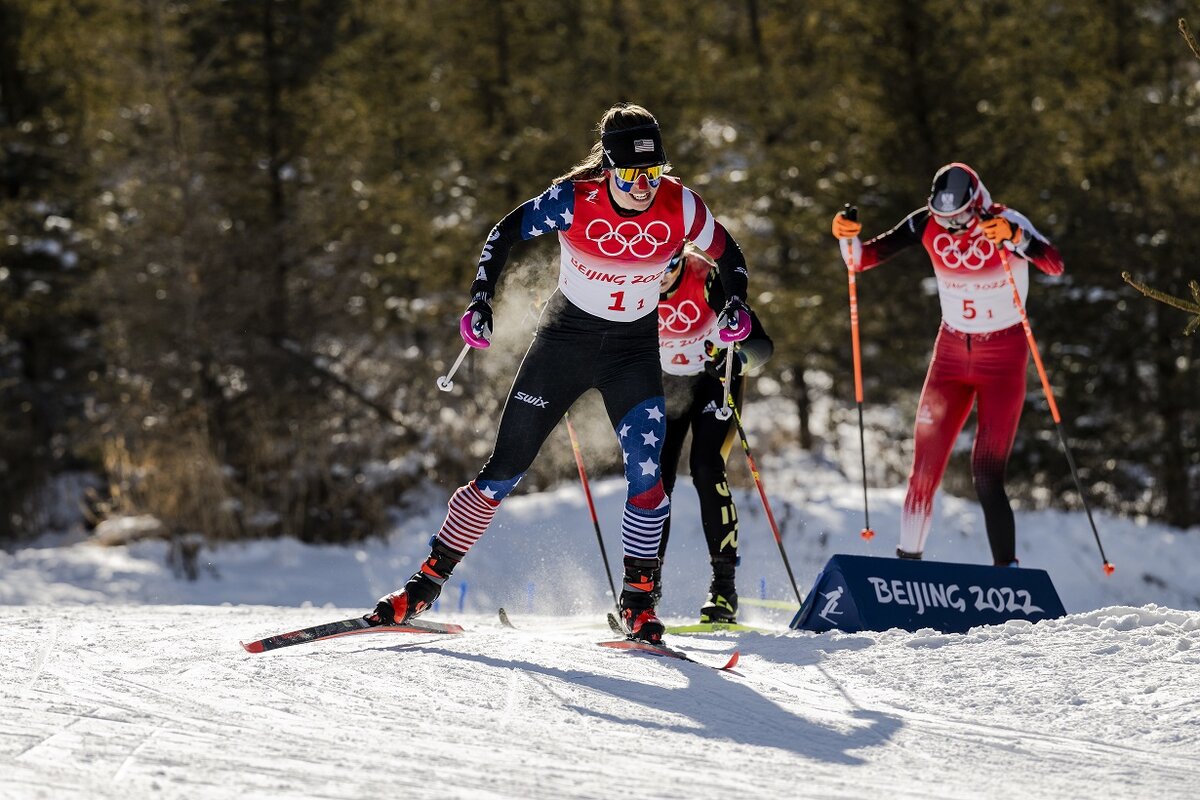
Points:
660	649
346	627
636	645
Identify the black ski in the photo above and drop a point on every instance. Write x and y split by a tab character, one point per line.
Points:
347	627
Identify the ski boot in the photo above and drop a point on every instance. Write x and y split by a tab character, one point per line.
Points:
421	590
722	603
637	599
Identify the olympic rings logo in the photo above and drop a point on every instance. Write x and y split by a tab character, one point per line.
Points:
976	257
628	236
678	319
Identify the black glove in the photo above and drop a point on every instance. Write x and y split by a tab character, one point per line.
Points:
715	363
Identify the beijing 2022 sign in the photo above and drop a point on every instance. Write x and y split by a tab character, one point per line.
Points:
862	593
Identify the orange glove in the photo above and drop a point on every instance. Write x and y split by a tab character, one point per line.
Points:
844	227
1000	231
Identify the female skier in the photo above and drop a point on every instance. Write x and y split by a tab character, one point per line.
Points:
979	356
619	219
694	369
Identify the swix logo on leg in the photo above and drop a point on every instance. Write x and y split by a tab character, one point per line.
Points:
536	402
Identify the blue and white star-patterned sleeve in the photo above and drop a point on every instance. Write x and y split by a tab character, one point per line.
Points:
552	211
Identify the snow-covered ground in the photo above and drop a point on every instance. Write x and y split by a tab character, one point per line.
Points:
119	679
159	701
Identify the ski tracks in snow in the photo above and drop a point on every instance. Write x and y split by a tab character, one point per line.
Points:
161	701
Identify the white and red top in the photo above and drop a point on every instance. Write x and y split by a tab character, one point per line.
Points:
611	261
610	265
973	288
686	322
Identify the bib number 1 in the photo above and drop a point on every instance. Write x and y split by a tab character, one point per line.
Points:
618	303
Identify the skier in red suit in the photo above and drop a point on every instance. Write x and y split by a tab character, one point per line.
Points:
980	354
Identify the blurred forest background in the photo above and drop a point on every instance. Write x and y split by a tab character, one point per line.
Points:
235	237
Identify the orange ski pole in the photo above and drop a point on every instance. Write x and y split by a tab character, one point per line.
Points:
852	214
1037	360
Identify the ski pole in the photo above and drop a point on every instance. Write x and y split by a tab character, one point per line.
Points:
587	492
445	383
852	214
1037	360
725	411
762	493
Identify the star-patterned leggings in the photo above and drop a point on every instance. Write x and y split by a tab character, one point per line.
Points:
572	352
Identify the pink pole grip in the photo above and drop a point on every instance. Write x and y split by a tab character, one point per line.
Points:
739	332
468	334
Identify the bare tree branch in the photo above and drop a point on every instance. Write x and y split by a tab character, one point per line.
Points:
1163	297
1187	37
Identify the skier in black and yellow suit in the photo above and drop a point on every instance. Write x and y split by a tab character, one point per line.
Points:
694	369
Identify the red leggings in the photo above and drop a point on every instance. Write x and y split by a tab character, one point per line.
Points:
988	368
